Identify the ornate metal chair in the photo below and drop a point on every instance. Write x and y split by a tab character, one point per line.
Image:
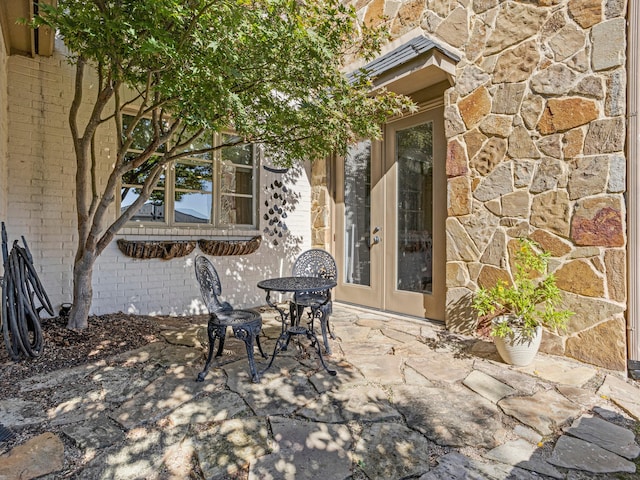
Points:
246	324
316	263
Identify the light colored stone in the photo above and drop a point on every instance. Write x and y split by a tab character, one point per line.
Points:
605	136
472	77
495	253
496	125
516	204
498	182
551	211
555	80
615	8
459	244
481	6
515	23
517	64
523	454
507	98
531	109
459	196
523	173
623	394
550	175
454	465
36	457
544	411
617	174
608	40
574	453
98	433
588	176
487	386
481	226
572	143
551	145
430	368
560	115
568	41
616	270
598	221
589	87
490	155
586	13
615	103
457	162
456	274
579	277
603	345
475	106
453	124
588	311
454	29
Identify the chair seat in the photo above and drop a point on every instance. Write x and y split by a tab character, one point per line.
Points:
234	318
311	300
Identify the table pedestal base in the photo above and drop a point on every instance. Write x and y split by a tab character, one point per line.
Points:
283	342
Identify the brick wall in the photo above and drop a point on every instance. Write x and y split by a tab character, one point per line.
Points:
3	129
41	206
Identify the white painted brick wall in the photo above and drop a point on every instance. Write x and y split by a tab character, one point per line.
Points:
41	206
4	129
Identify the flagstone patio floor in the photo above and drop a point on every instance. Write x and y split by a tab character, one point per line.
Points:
410	401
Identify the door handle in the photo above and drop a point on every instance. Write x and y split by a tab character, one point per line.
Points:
375	240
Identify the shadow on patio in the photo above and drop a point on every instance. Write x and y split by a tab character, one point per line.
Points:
410	400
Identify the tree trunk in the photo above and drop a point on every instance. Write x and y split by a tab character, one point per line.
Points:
82	291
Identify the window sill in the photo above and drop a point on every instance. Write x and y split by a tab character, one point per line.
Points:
169	233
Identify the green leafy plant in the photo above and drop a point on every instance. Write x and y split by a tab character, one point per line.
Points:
531	300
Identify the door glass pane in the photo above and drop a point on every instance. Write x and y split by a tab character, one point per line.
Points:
357	214
414	150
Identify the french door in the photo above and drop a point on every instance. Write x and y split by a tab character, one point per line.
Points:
390	215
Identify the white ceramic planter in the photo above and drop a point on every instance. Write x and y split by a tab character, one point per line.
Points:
518	351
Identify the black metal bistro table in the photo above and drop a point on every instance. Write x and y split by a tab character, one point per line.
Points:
290	323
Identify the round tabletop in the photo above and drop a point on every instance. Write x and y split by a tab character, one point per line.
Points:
297	284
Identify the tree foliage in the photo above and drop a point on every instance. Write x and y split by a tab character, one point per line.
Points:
270	69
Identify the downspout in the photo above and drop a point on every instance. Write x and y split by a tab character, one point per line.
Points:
633	187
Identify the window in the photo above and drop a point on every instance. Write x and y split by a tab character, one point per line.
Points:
215	188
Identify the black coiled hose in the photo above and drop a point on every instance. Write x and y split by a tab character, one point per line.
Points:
22	299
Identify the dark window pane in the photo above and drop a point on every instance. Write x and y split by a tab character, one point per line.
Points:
240	154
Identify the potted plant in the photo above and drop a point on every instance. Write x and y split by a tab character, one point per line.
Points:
518	310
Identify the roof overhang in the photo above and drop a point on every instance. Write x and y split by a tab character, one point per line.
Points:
413	66
20	39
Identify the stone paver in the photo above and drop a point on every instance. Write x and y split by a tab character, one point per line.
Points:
305	450
543	411
487	386
392	450
606	435
580	455
404	390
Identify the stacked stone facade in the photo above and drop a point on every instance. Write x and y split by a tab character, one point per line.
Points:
535	127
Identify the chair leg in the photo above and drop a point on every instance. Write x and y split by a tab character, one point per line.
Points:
264	355
247	334
213	332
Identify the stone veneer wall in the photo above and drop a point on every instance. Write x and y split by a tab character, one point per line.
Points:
535	126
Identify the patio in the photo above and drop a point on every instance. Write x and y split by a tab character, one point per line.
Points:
410	400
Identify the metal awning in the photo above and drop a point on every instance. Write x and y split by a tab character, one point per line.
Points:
412	66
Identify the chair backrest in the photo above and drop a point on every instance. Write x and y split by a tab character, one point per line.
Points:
210	286
315	263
